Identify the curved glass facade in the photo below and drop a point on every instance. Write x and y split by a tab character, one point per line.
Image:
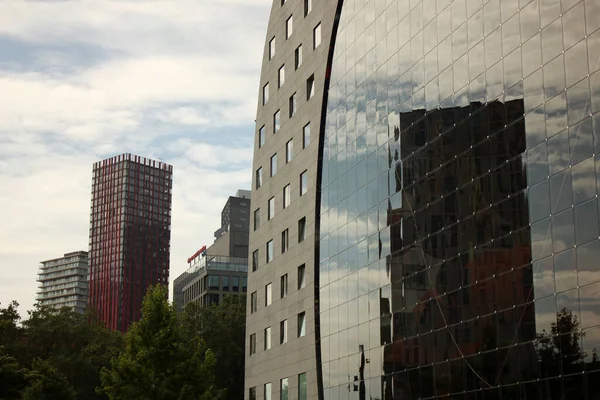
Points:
459	252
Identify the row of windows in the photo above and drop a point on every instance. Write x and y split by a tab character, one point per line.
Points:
283	287
283	383
283	335
285	242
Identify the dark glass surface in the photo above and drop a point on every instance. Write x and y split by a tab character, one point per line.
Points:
459	234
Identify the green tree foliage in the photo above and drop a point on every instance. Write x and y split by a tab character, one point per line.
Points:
223	329
46	382
12	377
159	362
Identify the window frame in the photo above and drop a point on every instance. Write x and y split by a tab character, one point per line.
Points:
256	219
285	240
283	389
283	286
271	208
253	302
270	255
273	165
272	48
307	7
310	87
281	76
276	121
283	331
262	136
298	57
267	338
301	276
289	150
252	344
293	105
301	229
268	294
258	178
305	142
303	189
287	195
265	94
255	260
317	38
302	324
289	27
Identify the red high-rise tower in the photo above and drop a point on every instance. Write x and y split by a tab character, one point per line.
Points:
130	231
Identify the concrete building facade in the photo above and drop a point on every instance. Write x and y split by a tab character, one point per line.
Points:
63	282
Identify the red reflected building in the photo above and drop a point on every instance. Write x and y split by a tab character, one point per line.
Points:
130	234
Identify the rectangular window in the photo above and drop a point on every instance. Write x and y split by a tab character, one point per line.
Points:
281	75
302	387
276	121
307	7
301	229
235	283
225	283
254	260
270	251
283	389
289	150
272	48
265	94
273	164
306	136
252	393
271	208
283	2
258	178
286	196
256	219
289	27
317	36
267	391
285	241
301	276
283	332
293	105
298	57
262	136
253	343
268	295
267	338
283	285
253	302
301	324
310	87
213	282
303	182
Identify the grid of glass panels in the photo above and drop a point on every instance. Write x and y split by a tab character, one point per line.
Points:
459	251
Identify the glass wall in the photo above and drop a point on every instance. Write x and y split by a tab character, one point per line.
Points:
459	229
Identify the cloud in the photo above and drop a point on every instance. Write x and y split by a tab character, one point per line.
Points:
80	82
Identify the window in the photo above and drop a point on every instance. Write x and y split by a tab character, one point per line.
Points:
283	389
252	393
267	391
213	282
284	285
301	229
225	283
302	387
255	260
298	57
310	87
289	27
285	241
301	324
235	283
268	295
256	219
306	136
272	48
253	302
270	251
273	170
301	276
267	338
289	150
253	343
281	80
317	36
303	182
271	208
293	106
286	196
276	121
307	7
259	178
283	2
261	136
244	284
265	93
283	332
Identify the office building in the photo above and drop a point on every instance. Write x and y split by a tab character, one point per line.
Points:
453	197
222	268
130	233
63	282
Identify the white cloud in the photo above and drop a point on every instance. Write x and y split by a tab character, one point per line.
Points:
93	79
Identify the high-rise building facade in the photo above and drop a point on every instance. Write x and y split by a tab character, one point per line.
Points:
456	231
130	233
63	282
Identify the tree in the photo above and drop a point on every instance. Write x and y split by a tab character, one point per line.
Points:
158	363
223	328
12	377
47	383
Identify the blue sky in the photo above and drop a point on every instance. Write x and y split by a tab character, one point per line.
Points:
83	81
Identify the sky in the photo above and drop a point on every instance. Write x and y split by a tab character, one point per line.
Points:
83	81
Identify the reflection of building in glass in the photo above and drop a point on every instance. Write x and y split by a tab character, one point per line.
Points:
130	234
222	268
458	251
63	281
